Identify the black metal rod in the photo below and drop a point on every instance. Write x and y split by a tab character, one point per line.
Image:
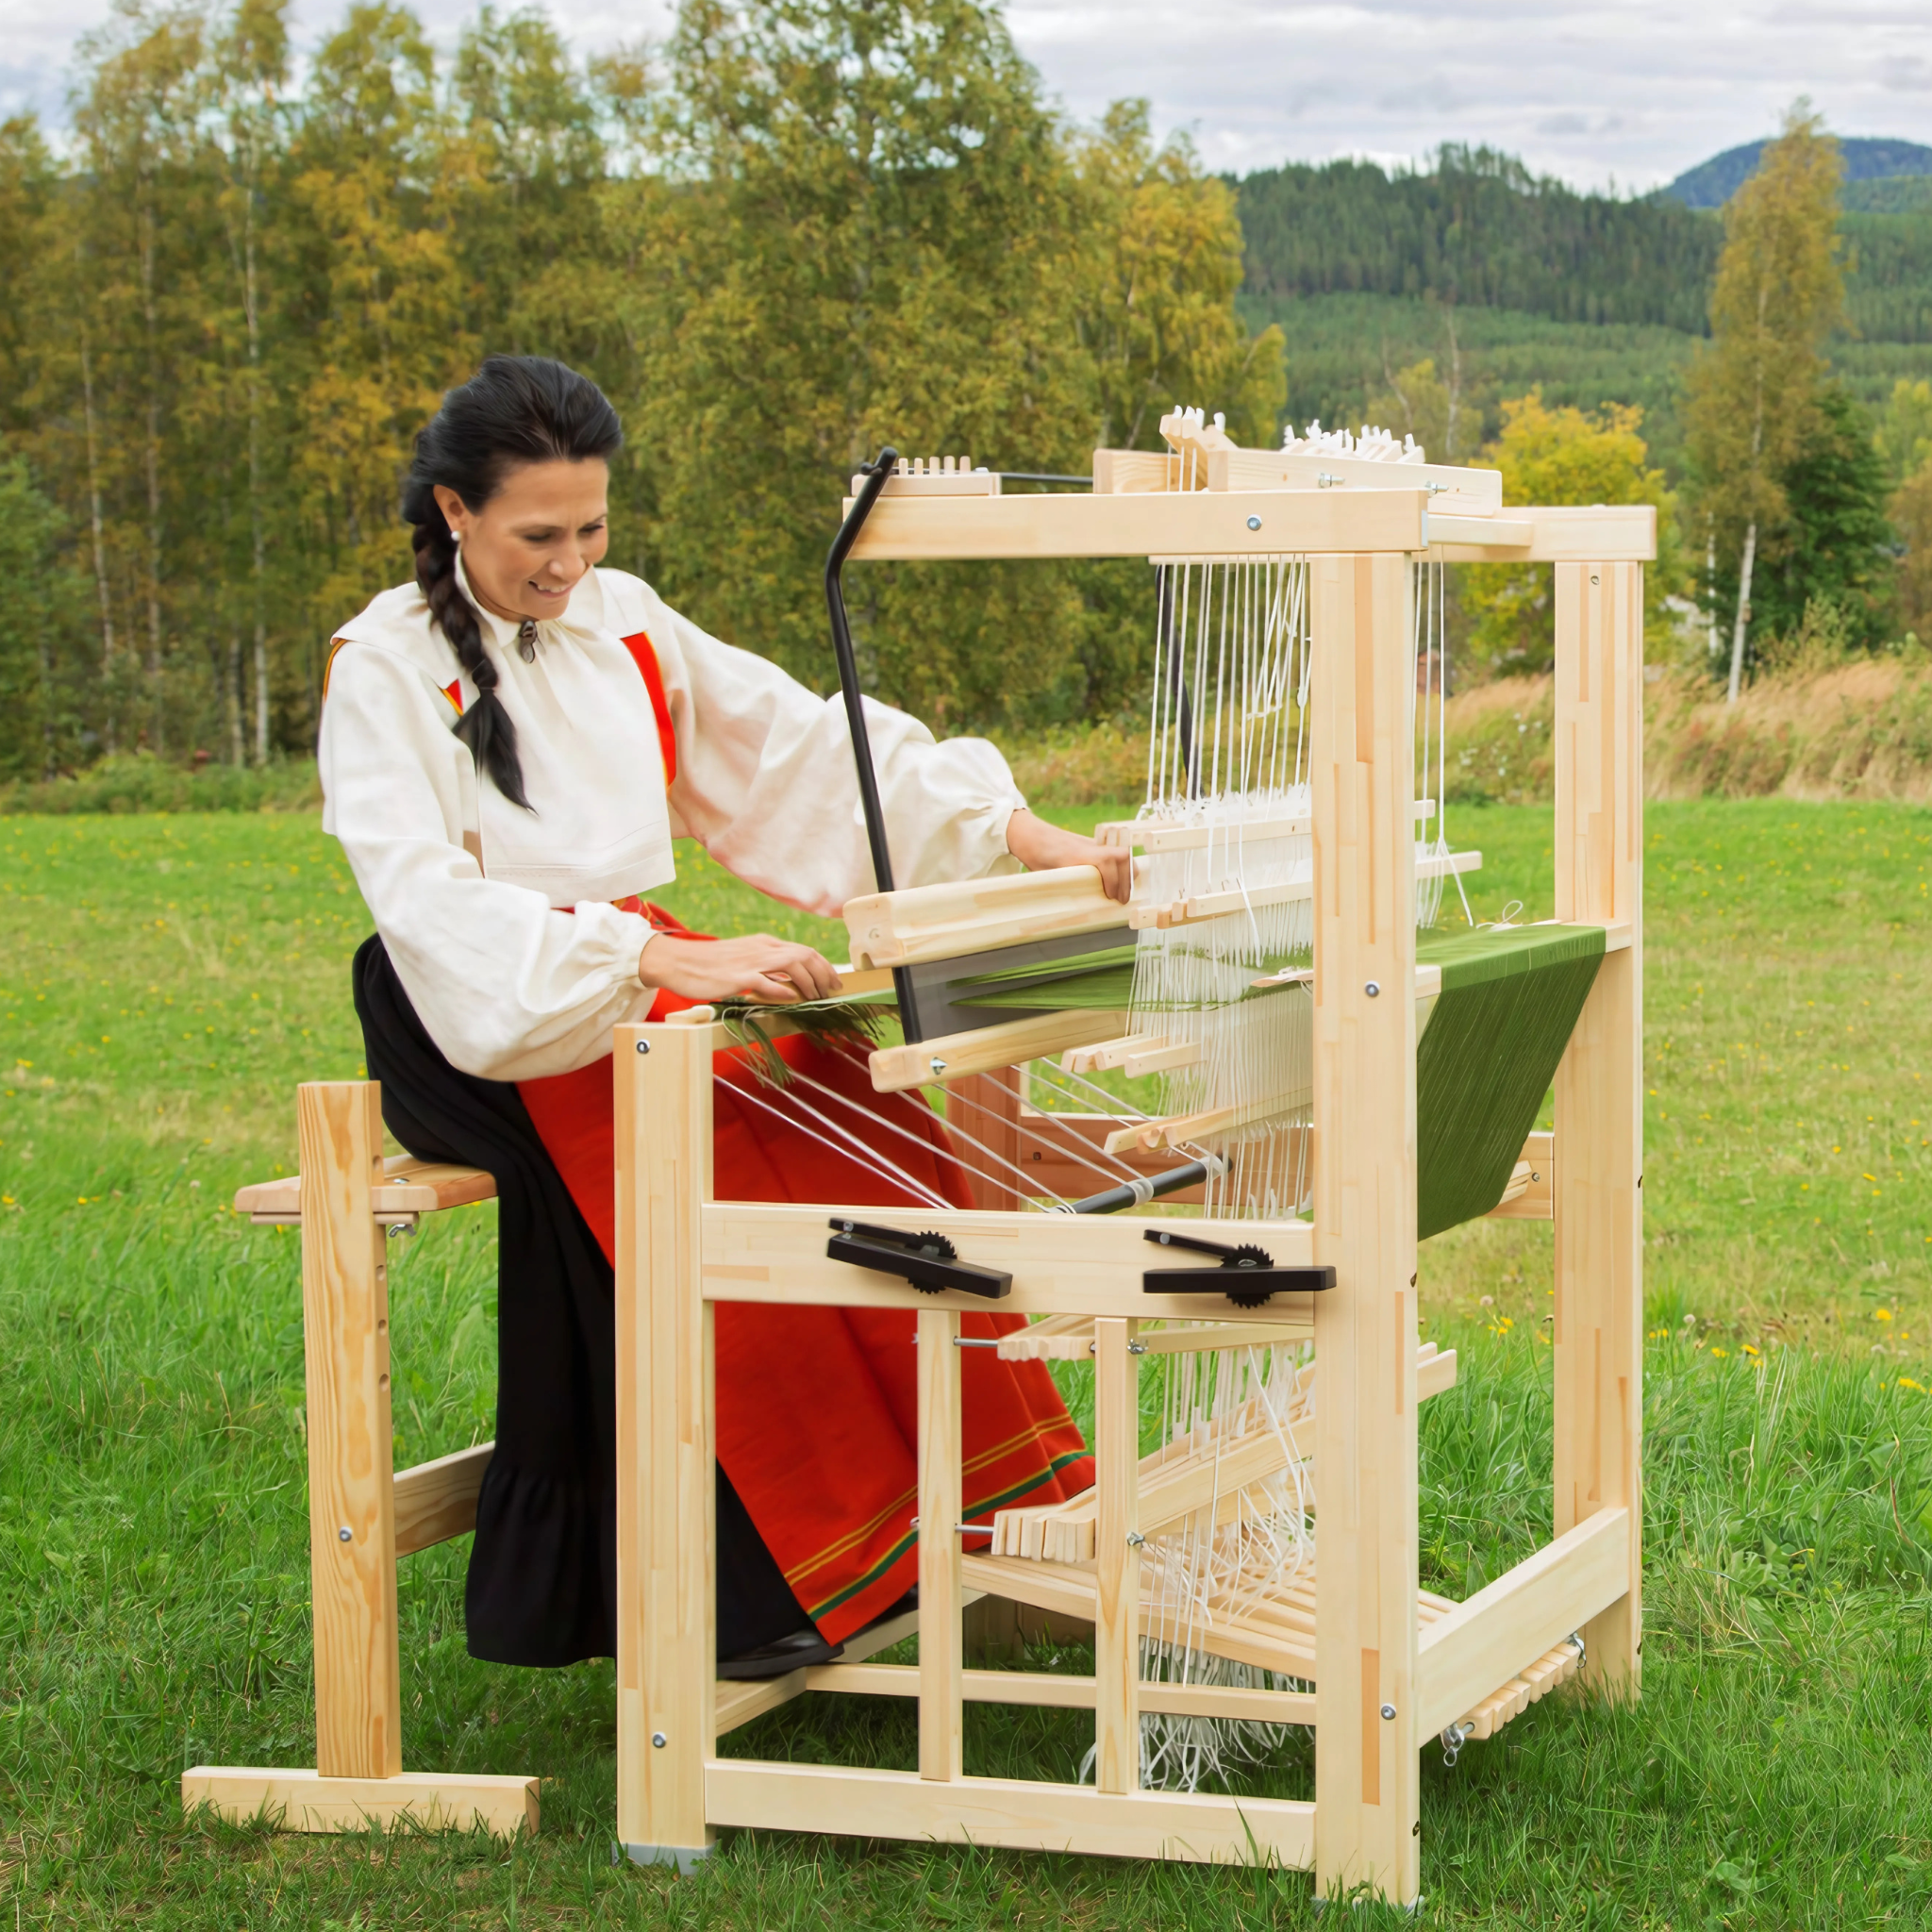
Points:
1110	1200
876	475
1167	1238
1040	477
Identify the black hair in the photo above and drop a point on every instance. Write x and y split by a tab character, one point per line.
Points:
515	409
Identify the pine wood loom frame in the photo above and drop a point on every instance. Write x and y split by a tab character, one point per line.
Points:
1391	1665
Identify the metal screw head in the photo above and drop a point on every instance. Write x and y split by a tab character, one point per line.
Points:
644	1046
1374	989
659	1740
1135	1540
1387	1710
345	1534
1254	522
937	1065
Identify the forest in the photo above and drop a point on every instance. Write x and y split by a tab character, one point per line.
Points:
242	271
239	284
1477	229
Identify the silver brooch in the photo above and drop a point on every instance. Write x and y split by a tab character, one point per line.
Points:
526	640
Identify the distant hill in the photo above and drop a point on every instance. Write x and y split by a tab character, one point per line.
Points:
1478	230
1712	183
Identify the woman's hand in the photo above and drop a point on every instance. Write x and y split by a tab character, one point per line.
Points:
757	968
1039	847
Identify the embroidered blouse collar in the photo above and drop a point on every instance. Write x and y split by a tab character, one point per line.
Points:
501	633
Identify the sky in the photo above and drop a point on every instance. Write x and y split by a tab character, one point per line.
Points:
1629	93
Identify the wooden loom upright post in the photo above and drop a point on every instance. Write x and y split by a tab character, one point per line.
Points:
1367	1743
666	1612
352	1544
941	1598
1599	1123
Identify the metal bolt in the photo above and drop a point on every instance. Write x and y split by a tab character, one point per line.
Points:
1135	1540
937	1065
1137	1348
644	1046
1254	522
1374	989
345	1534
1387	1710
659	1740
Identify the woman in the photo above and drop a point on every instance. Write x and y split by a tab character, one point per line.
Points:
510	745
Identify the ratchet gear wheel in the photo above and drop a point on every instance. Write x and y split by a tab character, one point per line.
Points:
1248	1256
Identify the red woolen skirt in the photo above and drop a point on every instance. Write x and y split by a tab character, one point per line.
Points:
817	1407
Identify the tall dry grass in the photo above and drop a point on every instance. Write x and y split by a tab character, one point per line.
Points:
1857	728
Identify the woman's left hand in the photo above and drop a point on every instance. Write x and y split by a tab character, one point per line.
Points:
1041	847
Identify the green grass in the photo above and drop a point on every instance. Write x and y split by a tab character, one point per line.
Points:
165	981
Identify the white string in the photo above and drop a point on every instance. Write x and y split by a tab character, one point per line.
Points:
1119	1170
865	1156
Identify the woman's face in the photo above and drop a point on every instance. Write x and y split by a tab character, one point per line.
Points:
528	547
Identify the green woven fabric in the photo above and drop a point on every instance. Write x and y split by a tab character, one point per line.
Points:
1097	981
1508	1004
1094	982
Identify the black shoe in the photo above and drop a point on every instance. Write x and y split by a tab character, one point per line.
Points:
792	1652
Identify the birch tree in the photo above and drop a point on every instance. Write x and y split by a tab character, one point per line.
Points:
1778	295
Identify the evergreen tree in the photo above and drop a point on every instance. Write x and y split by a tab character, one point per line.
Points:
1835	549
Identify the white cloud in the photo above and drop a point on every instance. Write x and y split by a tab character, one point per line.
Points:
1635	93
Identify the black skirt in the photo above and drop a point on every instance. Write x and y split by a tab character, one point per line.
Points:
543	1581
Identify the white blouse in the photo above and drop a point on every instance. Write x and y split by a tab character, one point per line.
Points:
499	919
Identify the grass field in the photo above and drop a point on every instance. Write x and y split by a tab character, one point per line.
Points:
165	981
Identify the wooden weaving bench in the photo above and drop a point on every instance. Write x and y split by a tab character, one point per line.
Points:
364	1513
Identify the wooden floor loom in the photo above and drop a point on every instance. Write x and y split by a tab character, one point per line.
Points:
1376	1665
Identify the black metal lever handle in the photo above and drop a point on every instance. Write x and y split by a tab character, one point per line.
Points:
1246	1276
927	1260
1166	1237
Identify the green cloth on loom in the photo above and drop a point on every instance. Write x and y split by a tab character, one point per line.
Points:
1095	982
1508	1004
1510	997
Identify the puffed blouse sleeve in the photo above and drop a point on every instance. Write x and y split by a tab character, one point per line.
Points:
510	987
766	780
